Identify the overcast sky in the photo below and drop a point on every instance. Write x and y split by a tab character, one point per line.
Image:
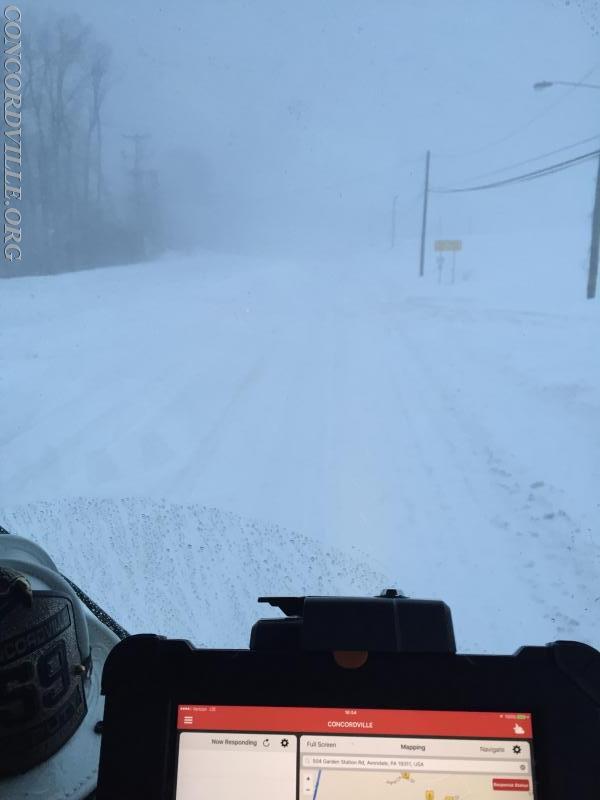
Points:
274	123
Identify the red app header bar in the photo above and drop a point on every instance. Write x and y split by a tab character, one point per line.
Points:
357	721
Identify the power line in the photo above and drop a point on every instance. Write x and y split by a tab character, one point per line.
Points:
522	127
528	176
536	158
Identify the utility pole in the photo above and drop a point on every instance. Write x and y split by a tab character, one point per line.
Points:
424	225
595	246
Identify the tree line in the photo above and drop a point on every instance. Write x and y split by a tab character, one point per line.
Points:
76	214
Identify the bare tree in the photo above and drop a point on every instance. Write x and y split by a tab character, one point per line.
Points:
98	71
66	187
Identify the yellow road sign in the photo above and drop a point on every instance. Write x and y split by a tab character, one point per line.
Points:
448	244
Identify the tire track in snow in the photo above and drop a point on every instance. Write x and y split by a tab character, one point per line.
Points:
468	578
559	574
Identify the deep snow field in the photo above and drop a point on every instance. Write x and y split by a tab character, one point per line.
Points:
186	435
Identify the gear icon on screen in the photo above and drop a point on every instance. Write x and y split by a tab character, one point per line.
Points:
516	749
284	742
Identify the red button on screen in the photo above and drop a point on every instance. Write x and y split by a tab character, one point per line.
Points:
511	784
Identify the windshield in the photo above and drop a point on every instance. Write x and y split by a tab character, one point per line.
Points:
300	298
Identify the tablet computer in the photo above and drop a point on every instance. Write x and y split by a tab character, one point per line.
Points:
187	724
274	753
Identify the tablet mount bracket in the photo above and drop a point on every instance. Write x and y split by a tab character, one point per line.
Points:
389	623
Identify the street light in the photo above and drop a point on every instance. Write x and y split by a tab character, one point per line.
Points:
547	84
595	245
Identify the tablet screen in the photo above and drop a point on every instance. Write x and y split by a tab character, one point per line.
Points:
276	753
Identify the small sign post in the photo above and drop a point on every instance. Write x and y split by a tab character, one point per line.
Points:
449	245
440	266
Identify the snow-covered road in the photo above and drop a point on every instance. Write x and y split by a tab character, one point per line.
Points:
454	438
